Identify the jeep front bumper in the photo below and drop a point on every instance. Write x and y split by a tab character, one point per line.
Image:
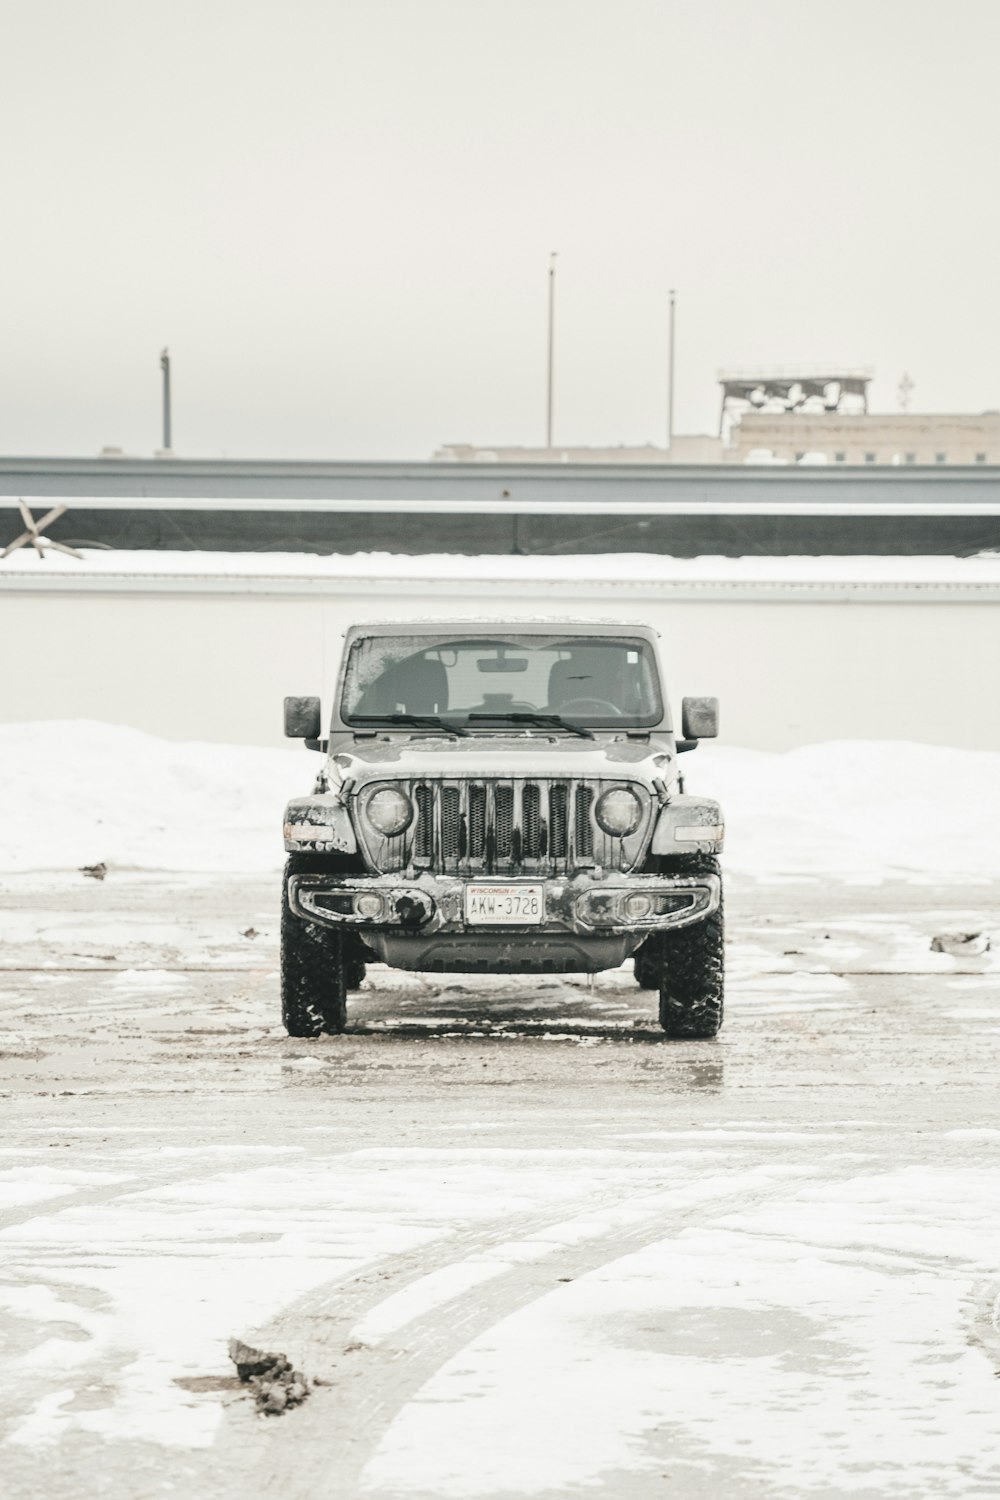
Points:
615	905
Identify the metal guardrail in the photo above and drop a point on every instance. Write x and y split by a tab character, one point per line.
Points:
528	509
456	484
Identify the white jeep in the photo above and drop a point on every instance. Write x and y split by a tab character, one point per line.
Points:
502	799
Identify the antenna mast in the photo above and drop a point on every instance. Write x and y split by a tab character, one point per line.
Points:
552	341
165	367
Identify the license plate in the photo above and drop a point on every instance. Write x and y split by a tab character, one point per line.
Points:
504	905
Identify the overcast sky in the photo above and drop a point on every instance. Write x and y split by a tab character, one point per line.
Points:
338	214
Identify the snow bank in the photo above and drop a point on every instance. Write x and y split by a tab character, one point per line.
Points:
83	793
86	793
622	567
855	808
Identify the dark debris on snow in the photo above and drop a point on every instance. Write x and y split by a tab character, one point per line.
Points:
275	1385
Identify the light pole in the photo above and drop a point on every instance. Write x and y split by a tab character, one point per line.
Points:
165	367
552	338
670	369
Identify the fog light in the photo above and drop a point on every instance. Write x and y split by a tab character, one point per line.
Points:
369	904
638	905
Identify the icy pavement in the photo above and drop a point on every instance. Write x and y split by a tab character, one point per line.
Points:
530	1247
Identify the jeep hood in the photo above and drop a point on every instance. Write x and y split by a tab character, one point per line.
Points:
501	758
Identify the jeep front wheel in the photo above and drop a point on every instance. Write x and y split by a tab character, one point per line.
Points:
314	973
691	978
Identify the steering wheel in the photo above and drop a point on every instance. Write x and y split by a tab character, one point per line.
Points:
587	704
513	707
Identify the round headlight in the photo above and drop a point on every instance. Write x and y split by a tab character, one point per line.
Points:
618	812
390	811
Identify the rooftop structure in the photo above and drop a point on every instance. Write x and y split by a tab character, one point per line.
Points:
812	389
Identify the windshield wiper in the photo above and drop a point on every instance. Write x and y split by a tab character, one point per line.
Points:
543	721
418	721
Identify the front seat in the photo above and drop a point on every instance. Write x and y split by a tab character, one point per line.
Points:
422	686
583	675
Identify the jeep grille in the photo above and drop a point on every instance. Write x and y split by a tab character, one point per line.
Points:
503	827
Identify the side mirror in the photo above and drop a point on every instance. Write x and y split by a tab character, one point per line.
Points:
700	718
302	718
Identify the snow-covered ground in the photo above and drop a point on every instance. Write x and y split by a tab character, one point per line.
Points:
74	794
531	1248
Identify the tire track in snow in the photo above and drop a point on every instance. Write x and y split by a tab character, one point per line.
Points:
322	1448
103	1196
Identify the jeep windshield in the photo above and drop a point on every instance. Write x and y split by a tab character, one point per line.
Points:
528	682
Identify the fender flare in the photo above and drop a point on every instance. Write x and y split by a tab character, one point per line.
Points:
321	823
688	825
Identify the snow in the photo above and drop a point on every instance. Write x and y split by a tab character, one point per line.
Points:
588	1281
22	1185
172	1314
84	793
584	568
422	1296
855	808
176	1268
841	1304
650	1294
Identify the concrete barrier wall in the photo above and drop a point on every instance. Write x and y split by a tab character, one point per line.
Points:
789	672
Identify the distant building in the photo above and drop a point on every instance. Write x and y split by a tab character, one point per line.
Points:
803	414
814	414
696	448
835	438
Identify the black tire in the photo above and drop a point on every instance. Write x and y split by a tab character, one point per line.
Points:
691	963
354	969
646	966
693	979
314	969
